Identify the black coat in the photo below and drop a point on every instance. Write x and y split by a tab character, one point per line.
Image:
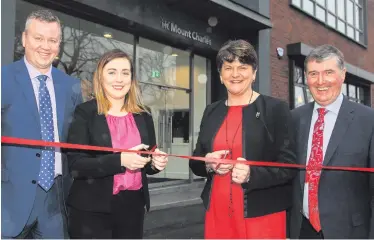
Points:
93	171
267	136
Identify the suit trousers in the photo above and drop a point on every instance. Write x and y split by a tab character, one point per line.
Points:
308	232
125	221
48	217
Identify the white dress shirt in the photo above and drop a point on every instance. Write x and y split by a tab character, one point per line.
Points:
33	73
330	119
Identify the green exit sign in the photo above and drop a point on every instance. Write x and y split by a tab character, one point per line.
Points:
155	74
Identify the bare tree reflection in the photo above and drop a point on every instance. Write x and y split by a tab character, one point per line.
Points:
79	54
159	68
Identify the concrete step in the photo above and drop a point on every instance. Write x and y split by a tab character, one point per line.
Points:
173	209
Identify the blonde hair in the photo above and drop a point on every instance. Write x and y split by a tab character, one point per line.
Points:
133	102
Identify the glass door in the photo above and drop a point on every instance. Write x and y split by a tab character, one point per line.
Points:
171	116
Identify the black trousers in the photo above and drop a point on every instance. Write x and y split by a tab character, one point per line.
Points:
125	221
307	231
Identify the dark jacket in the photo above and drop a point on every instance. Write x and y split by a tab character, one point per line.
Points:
345	198
267	136
93	171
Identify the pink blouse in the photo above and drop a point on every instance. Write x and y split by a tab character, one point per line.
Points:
125	134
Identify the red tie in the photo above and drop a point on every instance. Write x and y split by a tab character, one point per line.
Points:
315	162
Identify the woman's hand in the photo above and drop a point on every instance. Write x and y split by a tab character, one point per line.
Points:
134	161
159	162
240	172
219	168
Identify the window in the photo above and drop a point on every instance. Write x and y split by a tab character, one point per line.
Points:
345	16
354	93
301	94
301	91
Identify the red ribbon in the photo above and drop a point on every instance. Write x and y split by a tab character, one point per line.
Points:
41	143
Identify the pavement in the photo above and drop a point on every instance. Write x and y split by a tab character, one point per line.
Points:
176	212
175	223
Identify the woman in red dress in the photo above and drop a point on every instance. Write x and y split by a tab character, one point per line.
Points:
243	201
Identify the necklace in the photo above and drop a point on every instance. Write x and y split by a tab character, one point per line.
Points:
236	132
231	209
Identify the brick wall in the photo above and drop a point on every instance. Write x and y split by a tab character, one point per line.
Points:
291	26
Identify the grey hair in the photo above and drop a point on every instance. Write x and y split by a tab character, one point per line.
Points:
44	16
323	53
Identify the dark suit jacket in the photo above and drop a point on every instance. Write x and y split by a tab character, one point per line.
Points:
93	171
267	137
20	165
345	198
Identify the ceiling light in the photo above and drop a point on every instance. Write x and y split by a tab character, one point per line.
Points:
174	55
107	35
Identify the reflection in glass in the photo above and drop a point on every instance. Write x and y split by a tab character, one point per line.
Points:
298	77
350	32
358	17
341	8
344	89
162	67
321	2
171	116
331	20
360	94
352	91
341	26
320	14
331	5
309	95
308	6
297	2
299	96
349	12
199	92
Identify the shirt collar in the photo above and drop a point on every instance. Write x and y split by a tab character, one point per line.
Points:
33	72
334	107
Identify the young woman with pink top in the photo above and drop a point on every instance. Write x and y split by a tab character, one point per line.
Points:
110	193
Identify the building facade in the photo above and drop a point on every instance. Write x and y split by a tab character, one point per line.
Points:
173	44
300	25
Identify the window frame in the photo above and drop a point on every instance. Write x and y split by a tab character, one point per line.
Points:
350	81
363	7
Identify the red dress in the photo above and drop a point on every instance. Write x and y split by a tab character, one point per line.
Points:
225	218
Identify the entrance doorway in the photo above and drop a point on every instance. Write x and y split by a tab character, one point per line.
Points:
171	116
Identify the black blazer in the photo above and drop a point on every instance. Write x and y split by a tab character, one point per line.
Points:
93	171
267	136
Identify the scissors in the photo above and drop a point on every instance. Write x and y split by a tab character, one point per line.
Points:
219	164
152	150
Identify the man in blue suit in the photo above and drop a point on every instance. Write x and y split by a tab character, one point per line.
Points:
37	102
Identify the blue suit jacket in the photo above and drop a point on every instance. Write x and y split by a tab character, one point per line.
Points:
20	118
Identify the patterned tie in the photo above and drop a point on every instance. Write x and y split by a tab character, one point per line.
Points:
315	162
47	168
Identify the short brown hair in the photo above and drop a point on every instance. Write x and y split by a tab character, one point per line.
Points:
237	49
133	100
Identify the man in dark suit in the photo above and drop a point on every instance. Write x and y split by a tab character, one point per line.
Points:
332	131
37	102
